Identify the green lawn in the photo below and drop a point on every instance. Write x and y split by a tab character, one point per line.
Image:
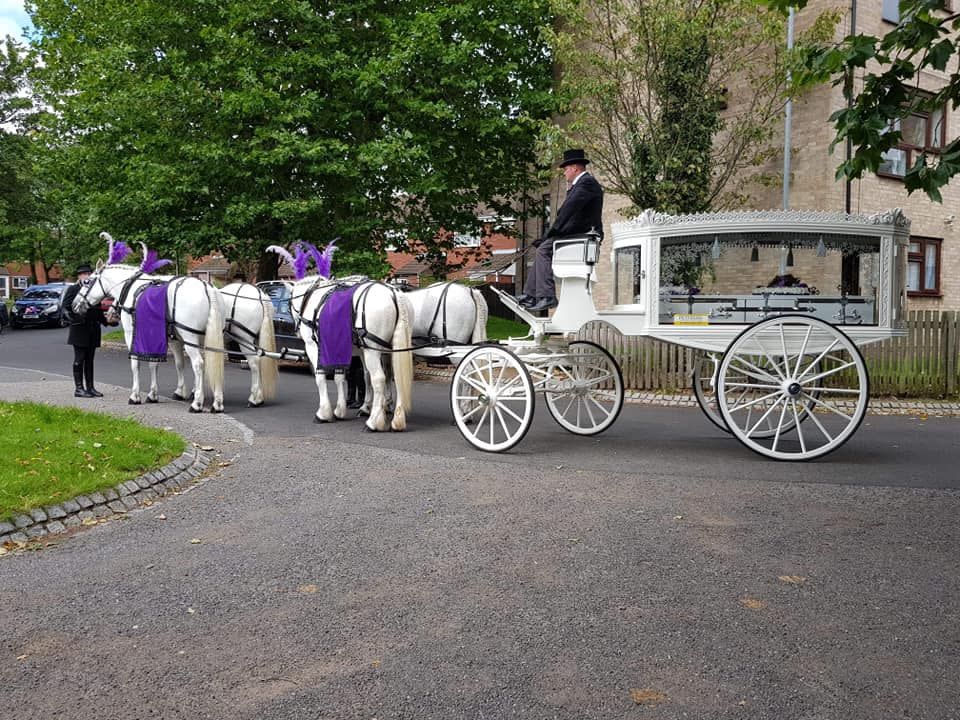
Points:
51	454
499	328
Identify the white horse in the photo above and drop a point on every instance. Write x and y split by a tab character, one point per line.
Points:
450	313
382	320
248	320
196	311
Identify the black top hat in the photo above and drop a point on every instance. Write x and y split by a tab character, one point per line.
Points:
571	157
84	268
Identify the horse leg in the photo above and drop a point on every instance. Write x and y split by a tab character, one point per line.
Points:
196	361
378	417
135	390
324	411
154	394
256	385
181	392
340	381
364	410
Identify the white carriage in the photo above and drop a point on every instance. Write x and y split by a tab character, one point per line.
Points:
778	363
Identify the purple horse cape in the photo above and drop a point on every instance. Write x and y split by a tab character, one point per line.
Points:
150	324
335	331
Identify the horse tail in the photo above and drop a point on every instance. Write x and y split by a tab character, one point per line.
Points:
480	326
213	355
402	362
268	341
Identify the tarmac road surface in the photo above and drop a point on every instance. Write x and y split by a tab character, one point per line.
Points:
657	571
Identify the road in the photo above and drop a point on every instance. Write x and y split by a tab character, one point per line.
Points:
658	571
909	451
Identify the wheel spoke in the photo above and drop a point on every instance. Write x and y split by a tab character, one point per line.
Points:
819	358
753	402
758	373
819	424
510	412
776	435
833	371
600	407
764	416
828	406
776	366
797	425
468	415
756	386
803	349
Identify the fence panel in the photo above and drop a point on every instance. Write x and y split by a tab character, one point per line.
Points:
924	363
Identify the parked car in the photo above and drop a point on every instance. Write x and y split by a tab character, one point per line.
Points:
284	327
40	305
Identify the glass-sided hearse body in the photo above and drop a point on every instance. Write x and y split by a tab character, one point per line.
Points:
777	301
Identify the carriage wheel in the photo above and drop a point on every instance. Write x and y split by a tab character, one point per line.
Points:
587	393
808	370
704	371
705	367
492	398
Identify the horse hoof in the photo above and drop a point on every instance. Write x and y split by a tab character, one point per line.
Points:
367	428
363	413
216	410
131	401
195	410
178	396
319	420
151	400
253	404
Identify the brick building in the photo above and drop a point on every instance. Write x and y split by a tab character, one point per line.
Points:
934	261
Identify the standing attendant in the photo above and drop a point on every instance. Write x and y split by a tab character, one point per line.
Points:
84	335
579	214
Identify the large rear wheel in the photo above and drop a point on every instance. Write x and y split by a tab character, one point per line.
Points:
792	388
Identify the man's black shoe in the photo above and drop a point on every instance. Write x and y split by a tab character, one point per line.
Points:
523	298
543	304
80	392
354	404
93	392
528	302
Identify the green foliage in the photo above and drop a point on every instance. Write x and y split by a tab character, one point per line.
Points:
646	87
924	42
53	454
234	124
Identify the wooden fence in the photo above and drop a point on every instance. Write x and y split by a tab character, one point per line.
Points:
924	363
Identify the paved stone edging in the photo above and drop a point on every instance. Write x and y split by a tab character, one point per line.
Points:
877	406
87	509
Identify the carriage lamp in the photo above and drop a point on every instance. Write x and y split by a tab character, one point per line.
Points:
591	248
821	248
790	256
755	254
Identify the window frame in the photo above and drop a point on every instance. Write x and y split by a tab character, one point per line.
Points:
910	150
20	282
920	258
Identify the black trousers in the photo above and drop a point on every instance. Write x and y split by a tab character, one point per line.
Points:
356	384
83	366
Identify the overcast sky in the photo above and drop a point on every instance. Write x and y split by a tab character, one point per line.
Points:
12	18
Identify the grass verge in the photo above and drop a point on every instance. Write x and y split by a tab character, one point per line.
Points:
499	328
52	454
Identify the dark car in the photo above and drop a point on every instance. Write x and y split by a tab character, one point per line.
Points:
284	327
40	305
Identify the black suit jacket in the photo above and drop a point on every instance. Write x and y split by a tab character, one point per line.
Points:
84	329
581	210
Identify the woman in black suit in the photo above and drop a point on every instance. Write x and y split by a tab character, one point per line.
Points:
84	335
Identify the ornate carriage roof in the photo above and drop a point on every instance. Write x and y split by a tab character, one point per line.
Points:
654	219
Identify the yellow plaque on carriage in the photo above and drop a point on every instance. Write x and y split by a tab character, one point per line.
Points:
691	319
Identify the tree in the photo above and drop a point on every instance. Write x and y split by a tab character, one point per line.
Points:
925	39
647	84
235	124
15	188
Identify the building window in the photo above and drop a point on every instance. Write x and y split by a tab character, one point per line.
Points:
891	11
923	267
471	240
545	218
919	132
20	282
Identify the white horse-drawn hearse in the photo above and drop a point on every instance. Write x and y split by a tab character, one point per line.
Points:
776	302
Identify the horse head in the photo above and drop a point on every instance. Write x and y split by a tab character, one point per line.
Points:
103	282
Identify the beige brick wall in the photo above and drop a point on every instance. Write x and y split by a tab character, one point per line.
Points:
813	184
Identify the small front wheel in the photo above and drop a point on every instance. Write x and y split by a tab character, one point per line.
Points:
492	398
585	389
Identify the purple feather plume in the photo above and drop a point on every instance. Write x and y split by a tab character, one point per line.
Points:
300	262
118	253
323	260
151	262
